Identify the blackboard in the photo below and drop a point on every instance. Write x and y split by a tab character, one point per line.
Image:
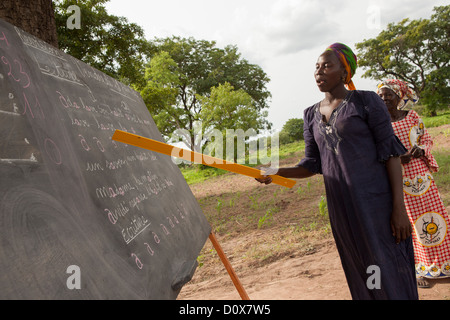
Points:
77	208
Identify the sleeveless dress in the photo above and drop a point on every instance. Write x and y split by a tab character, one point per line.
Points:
424	205
350	151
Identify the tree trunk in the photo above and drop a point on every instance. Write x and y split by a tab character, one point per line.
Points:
35	17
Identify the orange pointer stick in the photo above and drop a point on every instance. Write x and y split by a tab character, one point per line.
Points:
196	157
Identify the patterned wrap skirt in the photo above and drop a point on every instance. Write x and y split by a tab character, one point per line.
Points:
424	204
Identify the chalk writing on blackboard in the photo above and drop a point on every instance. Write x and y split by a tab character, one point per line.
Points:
70	195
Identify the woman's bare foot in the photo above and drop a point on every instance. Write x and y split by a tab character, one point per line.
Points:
422	283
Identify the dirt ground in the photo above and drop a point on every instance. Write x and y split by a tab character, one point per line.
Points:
285	270
318	276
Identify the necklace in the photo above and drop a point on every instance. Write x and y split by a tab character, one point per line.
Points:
335	110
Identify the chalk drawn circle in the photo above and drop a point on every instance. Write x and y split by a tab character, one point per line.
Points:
37	230
52	151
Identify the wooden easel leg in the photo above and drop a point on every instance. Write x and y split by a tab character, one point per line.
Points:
229	268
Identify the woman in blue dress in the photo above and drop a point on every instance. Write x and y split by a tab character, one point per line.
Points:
350	141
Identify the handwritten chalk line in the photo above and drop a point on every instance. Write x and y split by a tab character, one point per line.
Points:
28	44
10	113
122	94
18	160
53	75
46	52
129	240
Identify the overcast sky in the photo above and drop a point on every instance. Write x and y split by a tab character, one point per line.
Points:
283	37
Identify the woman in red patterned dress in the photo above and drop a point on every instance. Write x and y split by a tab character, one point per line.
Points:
424	205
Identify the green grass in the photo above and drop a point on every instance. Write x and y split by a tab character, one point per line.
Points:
439	120
442	177
194	173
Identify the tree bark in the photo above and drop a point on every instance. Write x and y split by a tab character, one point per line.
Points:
36	17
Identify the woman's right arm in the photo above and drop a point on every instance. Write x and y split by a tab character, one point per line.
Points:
309	165
296	172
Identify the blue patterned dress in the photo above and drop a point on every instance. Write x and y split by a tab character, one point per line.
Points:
350	151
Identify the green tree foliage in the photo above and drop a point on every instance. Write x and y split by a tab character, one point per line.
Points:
227	108
191	81
161	91
292	131
105	42
182	81
417	51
